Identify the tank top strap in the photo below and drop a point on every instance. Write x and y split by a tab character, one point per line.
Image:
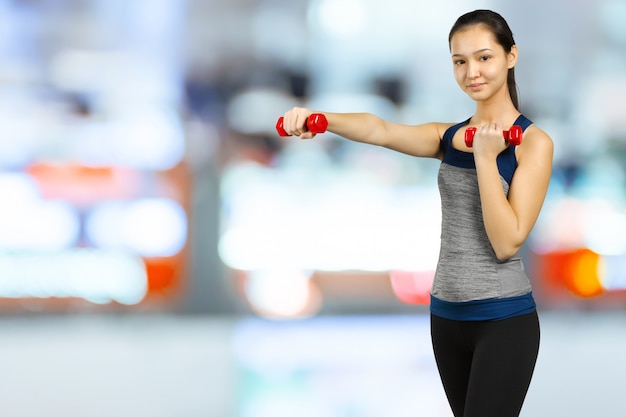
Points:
523	122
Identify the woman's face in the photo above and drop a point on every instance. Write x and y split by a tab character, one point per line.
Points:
480	63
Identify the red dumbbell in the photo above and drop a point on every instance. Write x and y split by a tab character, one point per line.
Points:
512	136
316	123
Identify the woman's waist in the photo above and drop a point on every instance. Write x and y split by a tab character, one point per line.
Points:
483	309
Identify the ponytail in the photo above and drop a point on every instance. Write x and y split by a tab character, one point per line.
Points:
510	80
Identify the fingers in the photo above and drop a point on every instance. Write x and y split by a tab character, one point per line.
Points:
294	122
489	138
490	128
490	131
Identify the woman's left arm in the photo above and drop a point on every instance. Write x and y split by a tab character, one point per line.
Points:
509	221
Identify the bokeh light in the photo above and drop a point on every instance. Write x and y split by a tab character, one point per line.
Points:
148	227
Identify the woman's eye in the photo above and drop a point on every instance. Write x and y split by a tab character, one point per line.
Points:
484	57
459	62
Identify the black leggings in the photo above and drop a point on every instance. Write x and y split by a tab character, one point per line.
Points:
486	366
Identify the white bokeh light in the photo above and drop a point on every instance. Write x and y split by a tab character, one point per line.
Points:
148	140
156	227
340	18
279	292
150	227
28	222
94	275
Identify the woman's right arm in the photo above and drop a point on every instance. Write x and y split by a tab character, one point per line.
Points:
421	140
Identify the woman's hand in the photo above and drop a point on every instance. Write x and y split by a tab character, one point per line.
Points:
294	122
489	140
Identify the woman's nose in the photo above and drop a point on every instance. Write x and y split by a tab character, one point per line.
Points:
472	70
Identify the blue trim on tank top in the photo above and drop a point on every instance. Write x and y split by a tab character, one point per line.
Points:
490	309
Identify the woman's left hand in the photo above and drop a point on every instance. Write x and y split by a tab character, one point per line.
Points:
489	140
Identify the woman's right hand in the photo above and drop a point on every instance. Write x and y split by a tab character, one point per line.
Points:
294	122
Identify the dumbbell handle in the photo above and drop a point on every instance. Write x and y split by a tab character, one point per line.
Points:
512	136
315	123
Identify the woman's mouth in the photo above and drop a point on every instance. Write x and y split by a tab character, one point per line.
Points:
475	87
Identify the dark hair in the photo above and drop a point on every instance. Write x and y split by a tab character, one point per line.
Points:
501	31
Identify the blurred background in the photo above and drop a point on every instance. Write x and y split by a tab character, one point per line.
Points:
163	252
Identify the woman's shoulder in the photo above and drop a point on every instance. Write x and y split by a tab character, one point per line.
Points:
535	141
451	127
536	135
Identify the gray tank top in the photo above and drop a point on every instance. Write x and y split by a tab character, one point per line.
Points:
468	268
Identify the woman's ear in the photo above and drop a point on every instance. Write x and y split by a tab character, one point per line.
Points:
512	56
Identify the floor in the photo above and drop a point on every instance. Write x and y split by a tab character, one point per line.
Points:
358	366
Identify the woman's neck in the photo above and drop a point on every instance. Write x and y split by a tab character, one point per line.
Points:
495	112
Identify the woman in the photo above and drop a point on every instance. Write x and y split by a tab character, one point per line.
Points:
484	324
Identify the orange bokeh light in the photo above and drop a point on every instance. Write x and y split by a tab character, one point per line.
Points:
584	274
84	185
577	270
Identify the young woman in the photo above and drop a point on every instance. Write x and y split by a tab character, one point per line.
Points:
484	324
